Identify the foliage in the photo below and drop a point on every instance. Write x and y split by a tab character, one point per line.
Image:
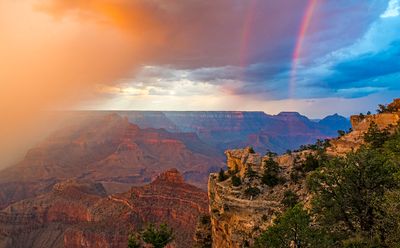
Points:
251	150
293	229
205	219
250	173
158	237
236	181
133	242
271	173
252	191
320	145
295	175
341	133
312	162
376	137
386	109
221	175
290	199
271	154
350	193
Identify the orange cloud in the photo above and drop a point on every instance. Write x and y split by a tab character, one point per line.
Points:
54	52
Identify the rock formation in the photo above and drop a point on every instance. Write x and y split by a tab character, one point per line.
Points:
360	125
110	150
240	213
79	214
238	218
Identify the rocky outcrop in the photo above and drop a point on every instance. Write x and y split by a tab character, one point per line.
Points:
239	215
79	214
360	125
238	218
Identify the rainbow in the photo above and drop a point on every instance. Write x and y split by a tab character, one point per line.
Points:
246	31
305	23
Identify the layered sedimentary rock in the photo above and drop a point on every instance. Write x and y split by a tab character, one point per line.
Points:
79	214
238	218
234	129
110	150
360	125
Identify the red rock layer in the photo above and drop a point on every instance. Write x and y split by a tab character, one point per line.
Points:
79	214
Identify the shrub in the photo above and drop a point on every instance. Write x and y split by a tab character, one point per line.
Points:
270	176
295	175
133	242
221	175
205	219
252	191
290	199
376	137
250	172
251	150
236	181
158	237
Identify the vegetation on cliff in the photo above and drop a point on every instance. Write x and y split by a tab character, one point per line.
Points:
355	199
157	237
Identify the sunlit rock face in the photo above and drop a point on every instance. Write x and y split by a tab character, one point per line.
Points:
360	125
237	219
79	214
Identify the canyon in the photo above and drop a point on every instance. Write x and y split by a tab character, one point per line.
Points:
78	213
102	175
238	216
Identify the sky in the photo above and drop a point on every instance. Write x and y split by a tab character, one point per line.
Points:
317	57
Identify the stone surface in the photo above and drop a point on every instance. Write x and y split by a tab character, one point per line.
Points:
79	214
237	219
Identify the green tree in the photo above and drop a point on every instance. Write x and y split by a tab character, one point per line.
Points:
221	175
290	199
341	133
293	229
133	241
270	176
158	237
252	191
349	193
376	137
236	181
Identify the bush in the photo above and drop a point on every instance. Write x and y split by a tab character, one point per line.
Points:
252	191
295	175
290	199
311	163
250	172
205	219
251	150
133	242
376	137
270	176
221	175
236	181
158	237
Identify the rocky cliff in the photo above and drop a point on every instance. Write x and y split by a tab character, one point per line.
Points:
244	201
360	125
238	216
79	214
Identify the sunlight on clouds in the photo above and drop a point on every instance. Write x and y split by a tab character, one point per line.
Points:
393	9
